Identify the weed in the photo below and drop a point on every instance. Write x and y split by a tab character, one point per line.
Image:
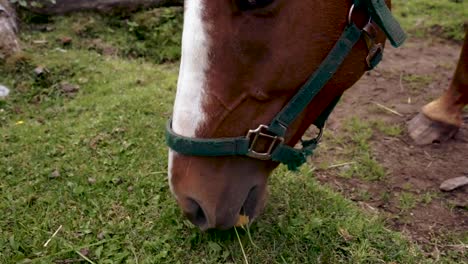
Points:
385	197
391	130
427	197
359	133
407	201
364	195
416	82
357	148
407	186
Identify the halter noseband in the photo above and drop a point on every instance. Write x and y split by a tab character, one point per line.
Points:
275	132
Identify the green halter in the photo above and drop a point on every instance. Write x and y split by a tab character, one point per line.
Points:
275	132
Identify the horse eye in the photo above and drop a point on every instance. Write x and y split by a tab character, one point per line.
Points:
245	5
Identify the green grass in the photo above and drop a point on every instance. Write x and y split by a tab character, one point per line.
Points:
416	83
96	163
356	148
112	132
391	130
427	197
354	157
407	201
152	35
441	18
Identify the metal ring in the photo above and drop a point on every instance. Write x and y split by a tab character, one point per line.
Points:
320	134
350	16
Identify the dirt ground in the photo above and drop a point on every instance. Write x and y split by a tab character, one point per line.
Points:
407	79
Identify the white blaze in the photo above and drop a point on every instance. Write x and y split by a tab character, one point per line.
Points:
188	108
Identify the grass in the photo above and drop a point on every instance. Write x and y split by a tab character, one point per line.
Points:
440	18
407	201
152	35
415	82
113	132
391	130
427	197
94	163
354	157
356	150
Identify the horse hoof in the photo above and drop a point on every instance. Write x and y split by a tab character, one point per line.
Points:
425	131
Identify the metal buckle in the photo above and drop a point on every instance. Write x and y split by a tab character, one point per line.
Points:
254	136
375	49
373	52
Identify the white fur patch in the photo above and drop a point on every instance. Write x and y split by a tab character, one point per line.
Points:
188	106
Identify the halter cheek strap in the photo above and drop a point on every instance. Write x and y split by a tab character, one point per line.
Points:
274	133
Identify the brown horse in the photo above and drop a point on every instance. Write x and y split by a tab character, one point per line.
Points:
242	62
441	119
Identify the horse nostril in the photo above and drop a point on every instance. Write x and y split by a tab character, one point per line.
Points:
195	214
250	204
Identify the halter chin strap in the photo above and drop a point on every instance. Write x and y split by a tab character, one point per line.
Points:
274	133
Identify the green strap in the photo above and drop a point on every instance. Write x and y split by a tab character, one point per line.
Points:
319	79
205	147
383	17
238	146
285	154
293	157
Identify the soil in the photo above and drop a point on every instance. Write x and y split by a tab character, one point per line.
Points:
407	79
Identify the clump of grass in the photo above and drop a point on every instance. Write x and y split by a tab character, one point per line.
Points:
359	132
416	82
427	197
159	34
407	201
355	158
357	148
391	130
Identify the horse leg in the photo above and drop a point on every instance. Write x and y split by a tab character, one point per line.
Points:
441	119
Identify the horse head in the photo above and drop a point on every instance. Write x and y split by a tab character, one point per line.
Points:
242	62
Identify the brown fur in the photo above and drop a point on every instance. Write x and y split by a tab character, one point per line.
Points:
259	60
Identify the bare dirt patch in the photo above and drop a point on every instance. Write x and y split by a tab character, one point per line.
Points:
408	195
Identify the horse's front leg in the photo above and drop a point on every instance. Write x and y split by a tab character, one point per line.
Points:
441	119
